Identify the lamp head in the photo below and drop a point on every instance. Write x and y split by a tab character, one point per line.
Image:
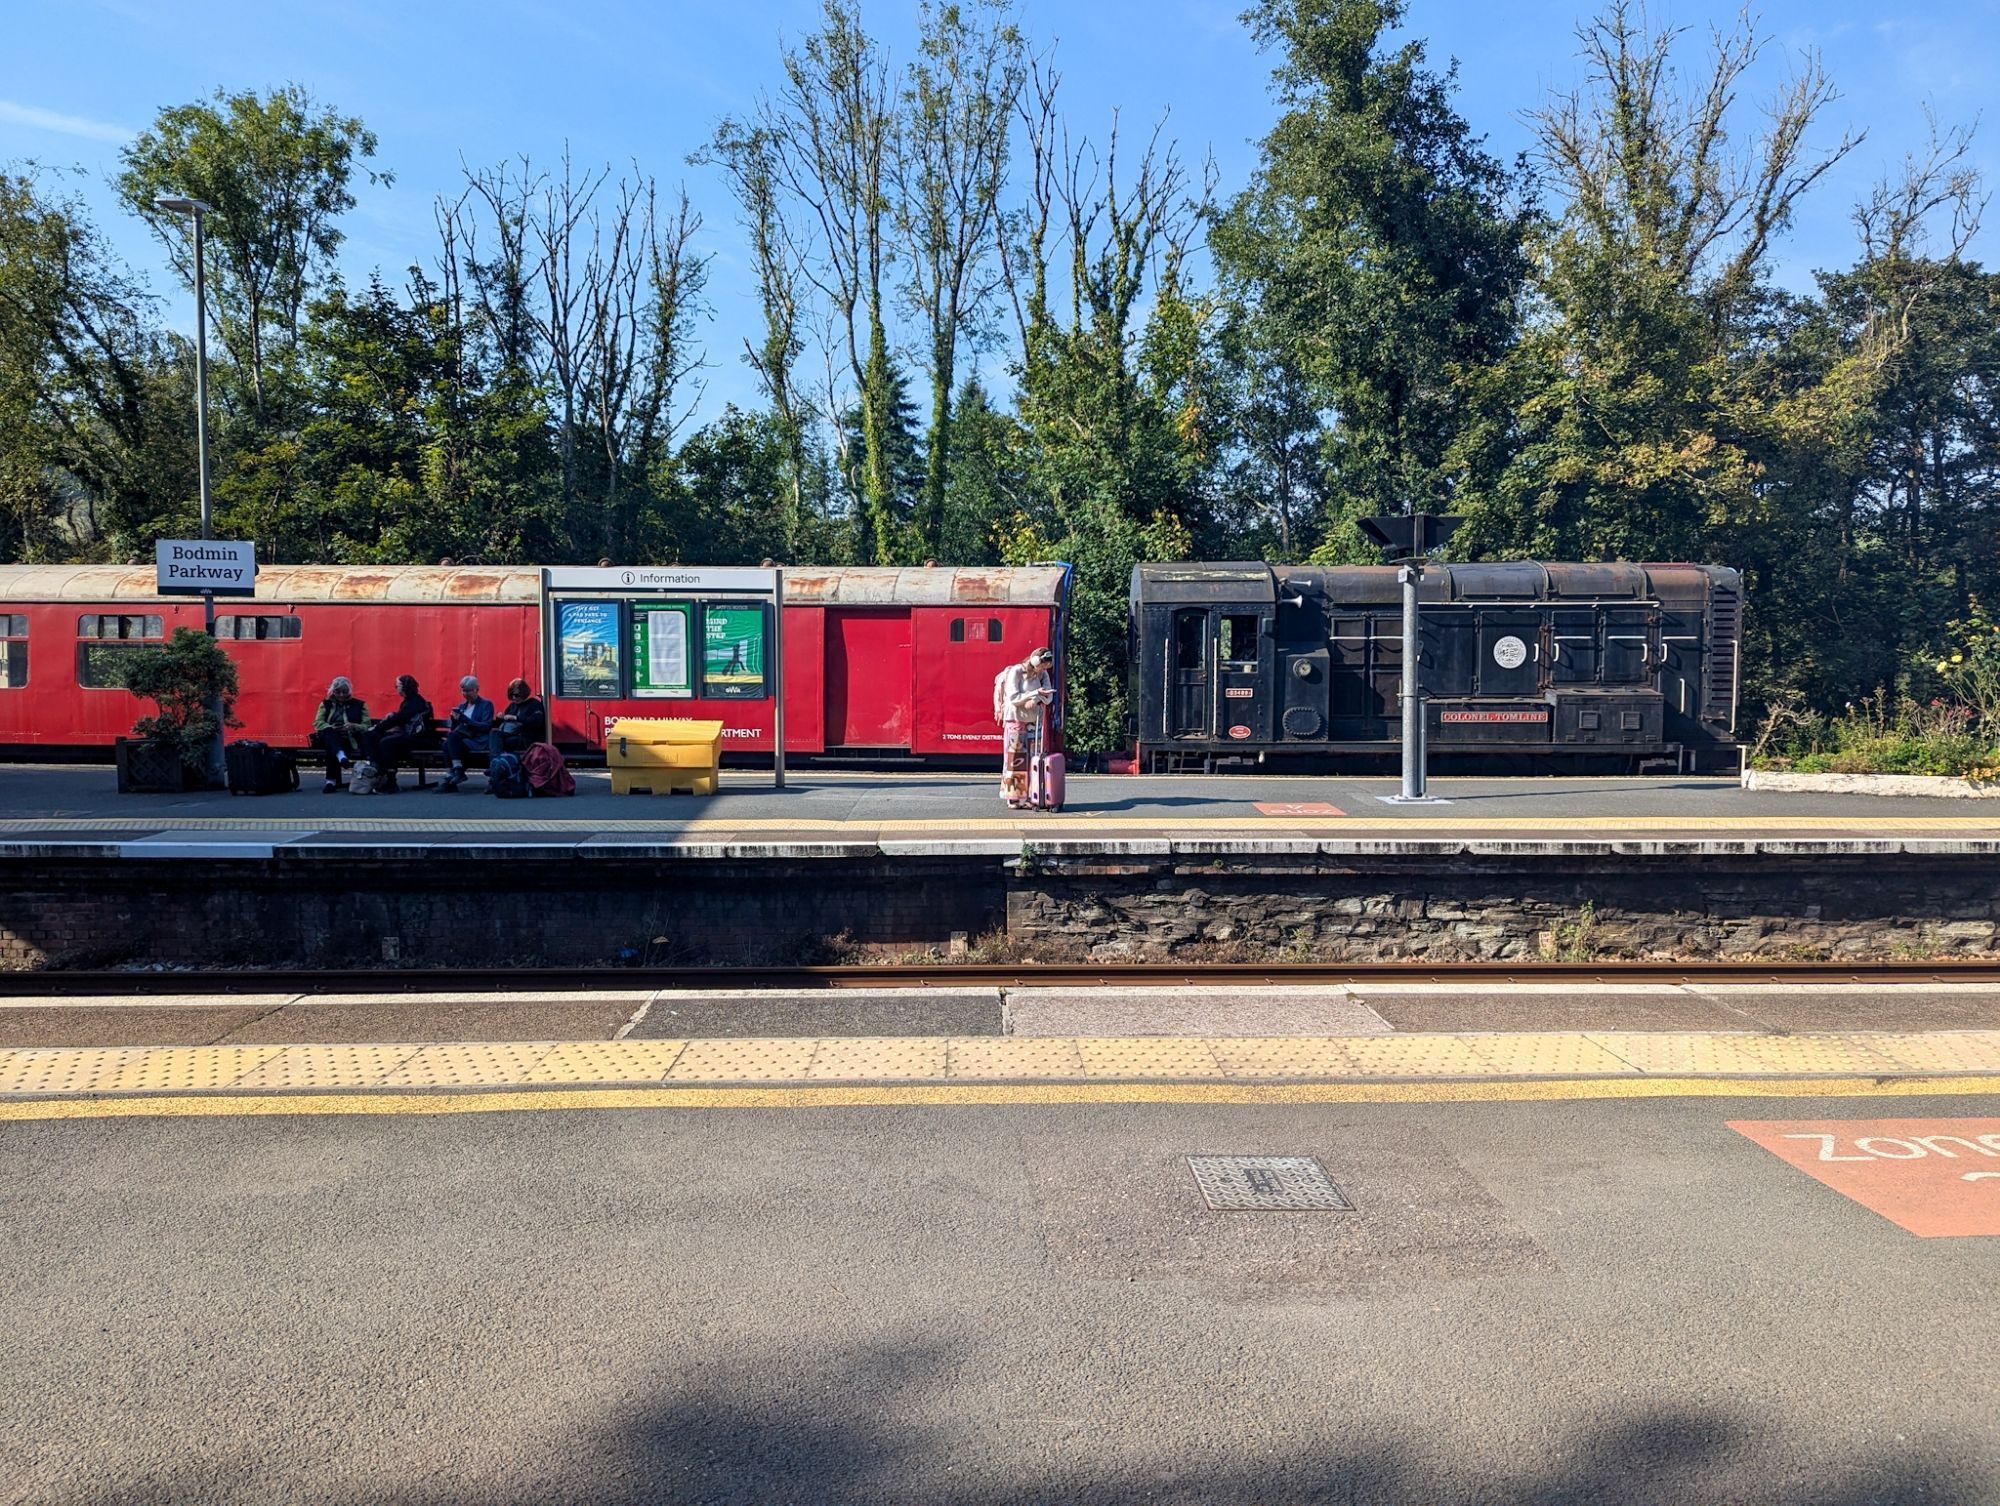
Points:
175	205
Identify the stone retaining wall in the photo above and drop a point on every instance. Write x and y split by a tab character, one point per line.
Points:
566	909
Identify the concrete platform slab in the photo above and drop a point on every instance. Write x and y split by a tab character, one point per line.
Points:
1085	1012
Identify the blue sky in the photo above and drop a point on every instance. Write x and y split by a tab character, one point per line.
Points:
441	81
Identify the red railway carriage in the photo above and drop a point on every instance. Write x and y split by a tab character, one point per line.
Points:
876	663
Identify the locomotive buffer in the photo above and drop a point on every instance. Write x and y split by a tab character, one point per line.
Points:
1406	540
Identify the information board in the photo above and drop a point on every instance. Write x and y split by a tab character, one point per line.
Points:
587	648
663	649
732	660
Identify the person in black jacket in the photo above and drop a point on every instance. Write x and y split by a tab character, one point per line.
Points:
411	725
524	722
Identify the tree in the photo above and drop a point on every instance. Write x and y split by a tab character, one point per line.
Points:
831	137
950	163
96	416
1621	431
276	170
1379	251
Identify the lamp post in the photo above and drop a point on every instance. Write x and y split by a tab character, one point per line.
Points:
1408	539
195	209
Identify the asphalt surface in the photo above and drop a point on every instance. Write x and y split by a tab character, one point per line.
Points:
54	797
186	1020
1577	1302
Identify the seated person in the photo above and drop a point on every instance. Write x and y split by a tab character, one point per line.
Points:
411	725
337	729
525	720
471	730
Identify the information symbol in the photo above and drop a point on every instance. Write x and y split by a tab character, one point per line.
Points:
1510	652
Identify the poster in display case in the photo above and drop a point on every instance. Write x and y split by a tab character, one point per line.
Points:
663	650
587	637
732	658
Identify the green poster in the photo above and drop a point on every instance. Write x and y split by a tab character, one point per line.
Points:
732	659
662	650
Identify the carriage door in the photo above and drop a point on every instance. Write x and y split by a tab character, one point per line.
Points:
1510	653
1187	674
1243	663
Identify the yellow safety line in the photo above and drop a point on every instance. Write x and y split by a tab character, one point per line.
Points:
992	1095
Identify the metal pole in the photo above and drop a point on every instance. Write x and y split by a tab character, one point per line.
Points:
1414	774
778	678
217	768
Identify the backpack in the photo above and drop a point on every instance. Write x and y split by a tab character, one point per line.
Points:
259	769
505	779
363	779
546	772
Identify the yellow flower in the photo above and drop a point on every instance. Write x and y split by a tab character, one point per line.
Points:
1940	665
1958	658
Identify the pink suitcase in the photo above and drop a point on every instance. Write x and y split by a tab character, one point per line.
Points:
1046	775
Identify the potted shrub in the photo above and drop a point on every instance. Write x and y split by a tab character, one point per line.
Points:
168	751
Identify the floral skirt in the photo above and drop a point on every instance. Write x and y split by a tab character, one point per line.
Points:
1021	741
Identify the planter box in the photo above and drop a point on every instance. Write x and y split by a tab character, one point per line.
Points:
1934	785
150	769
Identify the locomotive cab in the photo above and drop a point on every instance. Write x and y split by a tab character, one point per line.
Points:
1250	662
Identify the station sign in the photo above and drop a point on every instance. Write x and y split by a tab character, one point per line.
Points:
663	578
188	567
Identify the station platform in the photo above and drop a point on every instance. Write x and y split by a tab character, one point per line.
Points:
907	814
843	866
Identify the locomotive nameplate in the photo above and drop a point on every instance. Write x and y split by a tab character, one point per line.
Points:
1240	692
1497	714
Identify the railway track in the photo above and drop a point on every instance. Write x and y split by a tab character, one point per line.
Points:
977	975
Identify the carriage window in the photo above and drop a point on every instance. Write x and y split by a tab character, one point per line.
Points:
256	629
107	642
993	630
1190	640
13	651
1239	640
979	632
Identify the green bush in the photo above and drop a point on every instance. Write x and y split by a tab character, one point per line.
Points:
181	678
1938	736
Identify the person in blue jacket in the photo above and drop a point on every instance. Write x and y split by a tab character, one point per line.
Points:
471	730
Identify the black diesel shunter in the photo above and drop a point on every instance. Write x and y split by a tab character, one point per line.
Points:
1526	665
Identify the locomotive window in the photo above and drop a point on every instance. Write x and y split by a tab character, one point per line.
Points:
256	629
958	630
13	651
1239	640
109	640
1190	640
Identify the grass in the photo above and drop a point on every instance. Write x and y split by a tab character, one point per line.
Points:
1877	736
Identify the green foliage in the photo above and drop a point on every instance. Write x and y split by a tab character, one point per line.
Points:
1379	249
182	678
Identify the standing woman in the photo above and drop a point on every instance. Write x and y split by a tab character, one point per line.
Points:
338	727
1020	695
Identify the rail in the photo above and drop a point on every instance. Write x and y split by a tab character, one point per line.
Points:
57	983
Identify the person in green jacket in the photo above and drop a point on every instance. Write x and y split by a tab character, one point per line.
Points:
337	729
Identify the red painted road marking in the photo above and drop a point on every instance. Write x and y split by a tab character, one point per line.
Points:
1298	808
1939	1178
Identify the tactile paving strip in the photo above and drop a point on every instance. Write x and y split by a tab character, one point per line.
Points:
1281	1056
1953	1051
1671	1053
1147	1056
328	1067
880	1058
185	1069
1413	1056
775	1060
80	1069
478	1065
606	1061
1531	1054
984	1058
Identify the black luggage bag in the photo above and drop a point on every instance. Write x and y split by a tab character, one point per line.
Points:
260	769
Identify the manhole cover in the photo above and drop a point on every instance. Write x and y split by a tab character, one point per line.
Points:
1281	1184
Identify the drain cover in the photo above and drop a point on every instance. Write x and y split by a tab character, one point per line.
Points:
1281	1184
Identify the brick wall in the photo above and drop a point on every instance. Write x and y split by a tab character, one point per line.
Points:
567	910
